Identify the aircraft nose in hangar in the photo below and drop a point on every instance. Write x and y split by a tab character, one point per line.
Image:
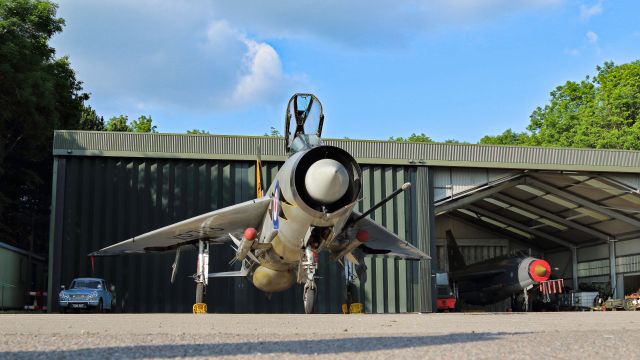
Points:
326	181
539	270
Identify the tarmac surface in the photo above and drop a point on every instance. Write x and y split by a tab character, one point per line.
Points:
608	335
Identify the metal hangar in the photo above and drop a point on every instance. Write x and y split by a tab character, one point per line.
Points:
577	208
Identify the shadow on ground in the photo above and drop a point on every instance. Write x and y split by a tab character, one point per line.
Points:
301	347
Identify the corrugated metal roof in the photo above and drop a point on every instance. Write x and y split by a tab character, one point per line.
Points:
93	143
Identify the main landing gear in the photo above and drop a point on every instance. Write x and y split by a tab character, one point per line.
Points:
201	277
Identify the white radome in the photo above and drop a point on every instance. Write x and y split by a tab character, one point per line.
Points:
326	181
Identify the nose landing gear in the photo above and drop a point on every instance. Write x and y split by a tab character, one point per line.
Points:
310	265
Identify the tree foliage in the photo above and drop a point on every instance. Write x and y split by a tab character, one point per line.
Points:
143	124
273	132
599	112
89	120
121	123
197	132
38	93
421	138
508	137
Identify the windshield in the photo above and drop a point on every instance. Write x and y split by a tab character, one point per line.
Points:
304	121
86	284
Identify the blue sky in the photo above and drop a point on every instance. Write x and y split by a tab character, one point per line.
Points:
453	69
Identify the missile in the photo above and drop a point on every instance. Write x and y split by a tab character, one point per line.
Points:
244	245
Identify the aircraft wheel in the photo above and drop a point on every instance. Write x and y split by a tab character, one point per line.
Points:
629	305
309	298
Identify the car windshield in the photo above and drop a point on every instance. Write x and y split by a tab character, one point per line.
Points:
86	284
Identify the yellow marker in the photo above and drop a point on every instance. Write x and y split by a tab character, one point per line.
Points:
200	308
259	192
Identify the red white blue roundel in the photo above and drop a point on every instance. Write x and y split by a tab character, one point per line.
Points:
275	206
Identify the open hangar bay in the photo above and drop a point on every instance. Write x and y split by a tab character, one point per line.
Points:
576	208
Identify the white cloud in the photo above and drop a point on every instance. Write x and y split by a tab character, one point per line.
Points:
361	23
587	11
166	55
592	37
260	72
263	71
206	55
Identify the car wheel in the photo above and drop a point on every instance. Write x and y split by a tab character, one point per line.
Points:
99	308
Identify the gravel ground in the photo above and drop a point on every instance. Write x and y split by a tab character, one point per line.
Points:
408	336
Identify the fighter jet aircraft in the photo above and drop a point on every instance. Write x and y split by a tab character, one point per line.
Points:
277	237
496	279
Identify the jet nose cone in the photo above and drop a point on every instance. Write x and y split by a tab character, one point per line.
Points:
326	181
539	270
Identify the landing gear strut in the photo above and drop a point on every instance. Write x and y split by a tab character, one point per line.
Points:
526	298
310	265
202	276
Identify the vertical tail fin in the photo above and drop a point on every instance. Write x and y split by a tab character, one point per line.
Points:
456	260
259	188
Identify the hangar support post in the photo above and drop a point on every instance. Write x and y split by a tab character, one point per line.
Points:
426	236
612	268
574	267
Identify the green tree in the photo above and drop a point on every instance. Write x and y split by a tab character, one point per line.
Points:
143	124
508	137
598	112
89	120
119	124
38	93
421	138
274	132
454	141
197	132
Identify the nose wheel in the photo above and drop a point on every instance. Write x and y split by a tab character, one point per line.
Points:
309	297
310	265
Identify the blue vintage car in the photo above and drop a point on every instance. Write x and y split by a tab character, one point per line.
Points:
85	293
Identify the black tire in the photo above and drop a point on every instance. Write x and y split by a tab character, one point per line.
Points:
100	307
629	305
309	299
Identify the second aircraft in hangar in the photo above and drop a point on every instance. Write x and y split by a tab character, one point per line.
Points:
496	279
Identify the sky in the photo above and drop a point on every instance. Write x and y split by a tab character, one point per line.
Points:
452	69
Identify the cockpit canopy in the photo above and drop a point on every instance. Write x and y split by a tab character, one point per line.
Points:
303	124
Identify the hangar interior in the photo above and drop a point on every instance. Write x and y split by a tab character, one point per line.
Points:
586	225
577	208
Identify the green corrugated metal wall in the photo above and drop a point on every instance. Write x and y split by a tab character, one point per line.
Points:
102	200
13	284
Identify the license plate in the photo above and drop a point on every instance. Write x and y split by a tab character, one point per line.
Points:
78	306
